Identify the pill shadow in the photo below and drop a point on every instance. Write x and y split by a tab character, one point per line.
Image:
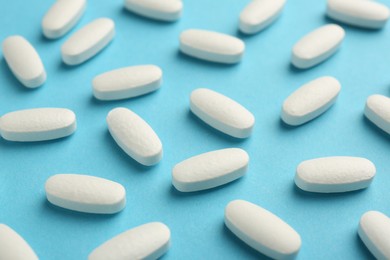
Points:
364	252
97	102
374	128
186	58
315	196
32	145
351	27
125	12
12	81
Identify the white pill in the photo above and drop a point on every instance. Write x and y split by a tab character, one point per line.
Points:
262	230
13	246
61	17
317	46
361	13
211	46
209	170
310	100
134	136
85	193
222	113
374	231
24	61
37	124
377	110
167	10
88	41
259	14
148	241
127	82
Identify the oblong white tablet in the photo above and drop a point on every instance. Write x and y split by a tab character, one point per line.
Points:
209	170
377	110
259	14
37	124
310	100
88	41
127	82
134	136
211	46
335	174
222	113
262	230
167	10
362	13
13	246
317	46
85	193
24	61
374	230
61	17
148	241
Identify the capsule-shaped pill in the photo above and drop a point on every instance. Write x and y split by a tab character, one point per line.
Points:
13	246
167	10
377	110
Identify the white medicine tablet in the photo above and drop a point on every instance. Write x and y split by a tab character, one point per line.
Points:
259	14
310	100
362	13
85	193
88	41
127	82
148	241
209	170
37	124
211	46
167	10
13	246
377	110
262	230
24	61
317	46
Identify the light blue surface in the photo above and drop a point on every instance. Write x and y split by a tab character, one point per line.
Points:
327	223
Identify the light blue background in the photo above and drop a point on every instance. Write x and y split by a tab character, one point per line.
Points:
327	223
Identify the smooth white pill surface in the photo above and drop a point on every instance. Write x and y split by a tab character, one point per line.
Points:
317	46
167	10
13	246
24	61
335	174
61	17
377	110
209	170
259	14
262	230
222	113
361	13
37	124
374	230
310	100
211	46
88	41
134	136
127	82
148	241
85	193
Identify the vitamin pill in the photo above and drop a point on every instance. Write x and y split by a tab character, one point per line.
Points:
24	61
167	10
37	124
262	230
85	193
13	246
209	170
134	136
317	46
211	46
148	241
127	82
310	100
88	41
377	110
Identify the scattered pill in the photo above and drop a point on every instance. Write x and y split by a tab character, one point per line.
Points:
211	46
262	230
317	46
37	124
259	14
167	10
85	193
377	110
13	246
374	231
88	41
127	82
24	61
209	170
148	241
